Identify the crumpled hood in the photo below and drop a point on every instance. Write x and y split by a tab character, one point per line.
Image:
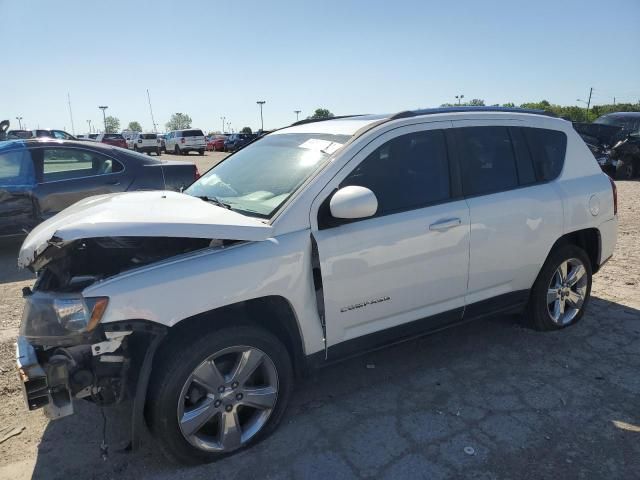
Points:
141	214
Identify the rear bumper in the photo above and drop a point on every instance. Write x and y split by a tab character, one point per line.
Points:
144	149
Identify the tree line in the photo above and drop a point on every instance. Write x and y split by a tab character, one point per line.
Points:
568	112
180	121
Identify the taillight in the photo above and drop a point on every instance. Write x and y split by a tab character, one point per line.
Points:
182	140
614	189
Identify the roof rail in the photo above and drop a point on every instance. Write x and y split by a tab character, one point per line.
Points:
432	111
314	120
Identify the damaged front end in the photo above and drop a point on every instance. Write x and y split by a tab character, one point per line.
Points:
606	142
63	351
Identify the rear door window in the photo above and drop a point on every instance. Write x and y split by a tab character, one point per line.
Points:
548	148
70	163
487	159
192	133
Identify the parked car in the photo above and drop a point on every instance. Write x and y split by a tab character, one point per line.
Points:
93	136
146	143
14	134
52	133
216	143
39	178
181	142
115	139
316	242
625	145
236	141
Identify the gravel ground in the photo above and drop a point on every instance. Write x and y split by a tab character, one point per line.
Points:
490	399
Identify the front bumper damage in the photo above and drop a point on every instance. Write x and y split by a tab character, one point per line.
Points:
106	372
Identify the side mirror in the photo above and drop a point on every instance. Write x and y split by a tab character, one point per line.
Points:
353	202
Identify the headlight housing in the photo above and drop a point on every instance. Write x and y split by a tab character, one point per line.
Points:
56	319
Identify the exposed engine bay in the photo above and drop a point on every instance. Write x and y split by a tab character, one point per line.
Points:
73	266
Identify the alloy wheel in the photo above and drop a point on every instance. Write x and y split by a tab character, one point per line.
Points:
228	399
567	291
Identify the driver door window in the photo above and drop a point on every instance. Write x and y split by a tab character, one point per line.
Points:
408	172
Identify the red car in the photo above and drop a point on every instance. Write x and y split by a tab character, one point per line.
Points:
216	144
114	139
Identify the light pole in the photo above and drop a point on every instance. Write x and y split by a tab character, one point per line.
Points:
89	122
459	98
297	112
229	127
104	116
261	103
19	122
223	119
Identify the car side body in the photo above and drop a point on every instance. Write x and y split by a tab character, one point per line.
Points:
39	178
464	238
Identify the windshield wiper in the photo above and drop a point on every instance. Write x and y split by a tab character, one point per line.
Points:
215	201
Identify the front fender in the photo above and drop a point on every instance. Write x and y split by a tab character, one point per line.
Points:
170	291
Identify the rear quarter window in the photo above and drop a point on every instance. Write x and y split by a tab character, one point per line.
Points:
192	133
548	149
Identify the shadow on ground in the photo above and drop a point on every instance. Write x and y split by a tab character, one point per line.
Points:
9	272
528	404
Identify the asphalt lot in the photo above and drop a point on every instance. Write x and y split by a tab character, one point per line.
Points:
490	399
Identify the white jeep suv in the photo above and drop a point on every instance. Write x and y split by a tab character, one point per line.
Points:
181	142
315	242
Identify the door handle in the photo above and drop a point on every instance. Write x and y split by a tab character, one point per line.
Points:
113	182
445	224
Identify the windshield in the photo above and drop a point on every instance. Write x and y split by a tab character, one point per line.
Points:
261	177
629	124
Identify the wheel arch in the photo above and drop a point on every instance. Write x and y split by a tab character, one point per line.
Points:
273	313
588	239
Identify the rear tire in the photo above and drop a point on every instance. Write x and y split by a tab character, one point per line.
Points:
200	152
562	290
176	150
627	171
188	412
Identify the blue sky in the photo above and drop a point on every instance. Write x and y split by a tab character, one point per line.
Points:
210	58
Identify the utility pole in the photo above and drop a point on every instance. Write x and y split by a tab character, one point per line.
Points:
89	122
73	130
297	112
261	103
104	116
223	119
614	101
19	122
589	102
155	127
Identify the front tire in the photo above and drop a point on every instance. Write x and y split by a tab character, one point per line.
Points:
214	394
200	152
176	150
562	290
